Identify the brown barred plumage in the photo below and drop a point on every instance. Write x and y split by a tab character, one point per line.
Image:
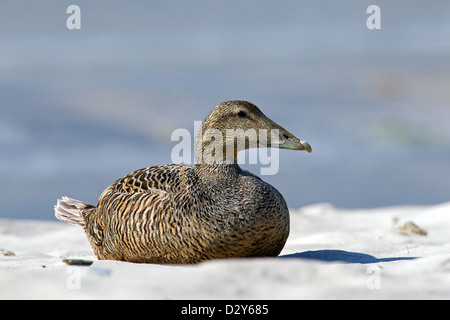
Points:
189	213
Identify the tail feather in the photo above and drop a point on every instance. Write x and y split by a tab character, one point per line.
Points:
70	210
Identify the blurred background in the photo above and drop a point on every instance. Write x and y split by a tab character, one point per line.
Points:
82	108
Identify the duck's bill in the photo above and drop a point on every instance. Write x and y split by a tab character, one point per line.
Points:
283	139
293	143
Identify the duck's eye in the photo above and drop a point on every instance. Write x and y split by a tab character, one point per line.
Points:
242	114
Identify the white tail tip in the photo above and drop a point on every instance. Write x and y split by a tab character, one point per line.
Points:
70	210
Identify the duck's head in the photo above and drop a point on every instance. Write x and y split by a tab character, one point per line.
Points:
233	126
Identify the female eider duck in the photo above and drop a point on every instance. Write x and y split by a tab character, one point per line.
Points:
184	214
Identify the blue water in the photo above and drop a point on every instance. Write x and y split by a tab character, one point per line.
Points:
81	108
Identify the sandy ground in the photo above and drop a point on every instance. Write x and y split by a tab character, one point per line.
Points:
383	253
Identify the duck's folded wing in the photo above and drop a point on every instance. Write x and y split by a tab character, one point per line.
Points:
168	178
136	208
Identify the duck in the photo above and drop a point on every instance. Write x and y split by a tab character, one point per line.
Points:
190	213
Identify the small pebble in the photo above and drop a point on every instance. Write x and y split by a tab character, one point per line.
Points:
408	227
77	262
4	252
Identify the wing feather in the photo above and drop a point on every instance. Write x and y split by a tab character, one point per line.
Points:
135	213
168	178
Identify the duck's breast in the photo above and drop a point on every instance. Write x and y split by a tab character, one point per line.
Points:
245	215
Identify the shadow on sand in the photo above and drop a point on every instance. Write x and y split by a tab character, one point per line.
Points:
342	256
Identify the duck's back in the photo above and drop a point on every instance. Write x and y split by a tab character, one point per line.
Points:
171	214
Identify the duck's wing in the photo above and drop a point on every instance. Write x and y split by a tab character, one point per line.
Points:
138	211
167	178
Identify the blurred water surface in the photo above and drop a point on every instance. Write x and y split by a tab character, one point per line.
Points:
81	108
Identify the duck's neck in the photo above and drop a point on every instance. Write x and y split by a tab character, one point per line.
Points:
211	156
211	147
217	170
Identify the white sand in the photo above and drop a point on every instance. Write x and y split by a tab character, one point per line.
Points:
331	253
